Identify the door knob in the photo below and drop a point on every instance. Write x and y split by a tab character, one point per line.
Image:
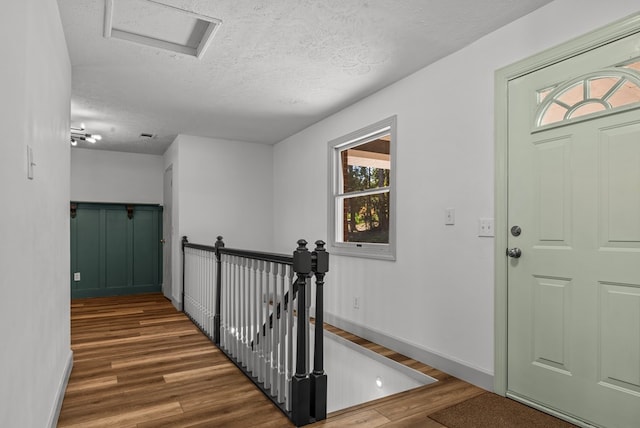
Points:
162	241
514	252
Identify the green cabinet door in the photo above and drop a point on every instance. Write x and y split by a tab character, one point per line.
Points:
115	241
114	253
145	248
86	252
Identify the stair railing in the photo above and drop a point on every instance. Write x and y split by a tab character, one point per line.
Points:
255	307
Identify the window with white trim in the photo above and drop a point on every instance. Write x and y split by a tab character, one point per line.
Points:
362	192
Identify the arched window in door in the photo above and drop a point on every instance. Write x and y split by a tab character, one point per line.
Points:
590	94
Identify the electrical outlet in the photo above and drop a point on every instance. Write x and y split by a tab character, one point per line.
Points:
450	216
76	276
356	303
485	227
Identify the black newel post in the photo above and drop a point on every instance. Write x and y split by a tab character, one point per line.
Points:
216	318
300	384
318	377
184	242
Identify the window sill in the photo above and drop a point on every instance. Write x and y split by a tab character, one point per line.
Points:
362	252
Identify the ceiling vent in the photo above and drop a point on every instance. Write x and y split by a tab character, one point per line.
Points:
158	25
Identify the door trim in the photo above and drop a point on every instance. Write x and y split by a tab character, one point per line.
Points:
167	245
594	39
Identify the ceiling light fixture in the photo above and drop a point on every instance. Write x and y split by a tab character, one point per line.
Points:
80	134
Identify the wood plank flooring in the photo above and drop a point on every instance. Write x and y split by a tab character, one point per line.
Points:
138	363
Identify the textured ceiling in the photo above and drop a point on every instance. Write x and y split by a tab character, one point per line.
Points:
273	68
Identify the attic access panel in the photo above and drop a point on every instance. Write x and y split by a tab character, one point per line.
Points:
158	25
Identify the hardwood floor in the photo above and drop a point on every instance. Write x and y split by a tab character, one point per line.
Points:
138	363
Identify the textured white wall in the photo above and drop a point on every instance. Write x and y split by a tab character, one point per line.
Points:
221	187
35	78
438	295
105	176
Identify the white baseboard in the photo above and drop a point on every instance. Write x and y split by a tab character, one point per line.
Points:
443	363
62	388
176	303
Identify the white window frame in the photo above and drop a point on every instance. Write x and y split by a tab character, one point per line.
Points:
356	138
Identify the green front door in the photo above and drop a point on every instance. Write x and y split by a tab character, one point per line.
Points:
574	237
115	251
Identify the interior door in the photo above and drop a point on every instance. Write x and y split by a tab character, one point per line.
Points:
574	238
167	227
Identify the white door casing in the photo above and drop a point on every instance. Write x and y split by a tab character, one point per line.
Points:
167	229
568	310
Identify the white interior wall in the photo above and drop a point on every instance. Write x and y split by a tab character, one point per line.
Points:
220	187
438	295
105	176
35	77
225	189
171	160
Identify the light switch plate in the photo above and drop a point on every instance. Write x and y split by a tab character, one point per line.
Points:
30	163
450	216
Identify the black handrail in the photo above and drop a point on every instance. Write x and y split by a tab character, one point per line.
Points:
258	255
249	254
187	244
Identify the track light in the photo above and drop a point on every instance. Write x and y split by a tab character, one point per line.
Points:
80	134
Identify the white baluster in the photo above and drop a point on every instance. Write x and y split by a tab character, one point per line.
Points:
290	344
256	319
199	288
186	280
267	336
260	365
249	316
281	340
240	307
225	301
211	286
244	310
234	305
274	331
